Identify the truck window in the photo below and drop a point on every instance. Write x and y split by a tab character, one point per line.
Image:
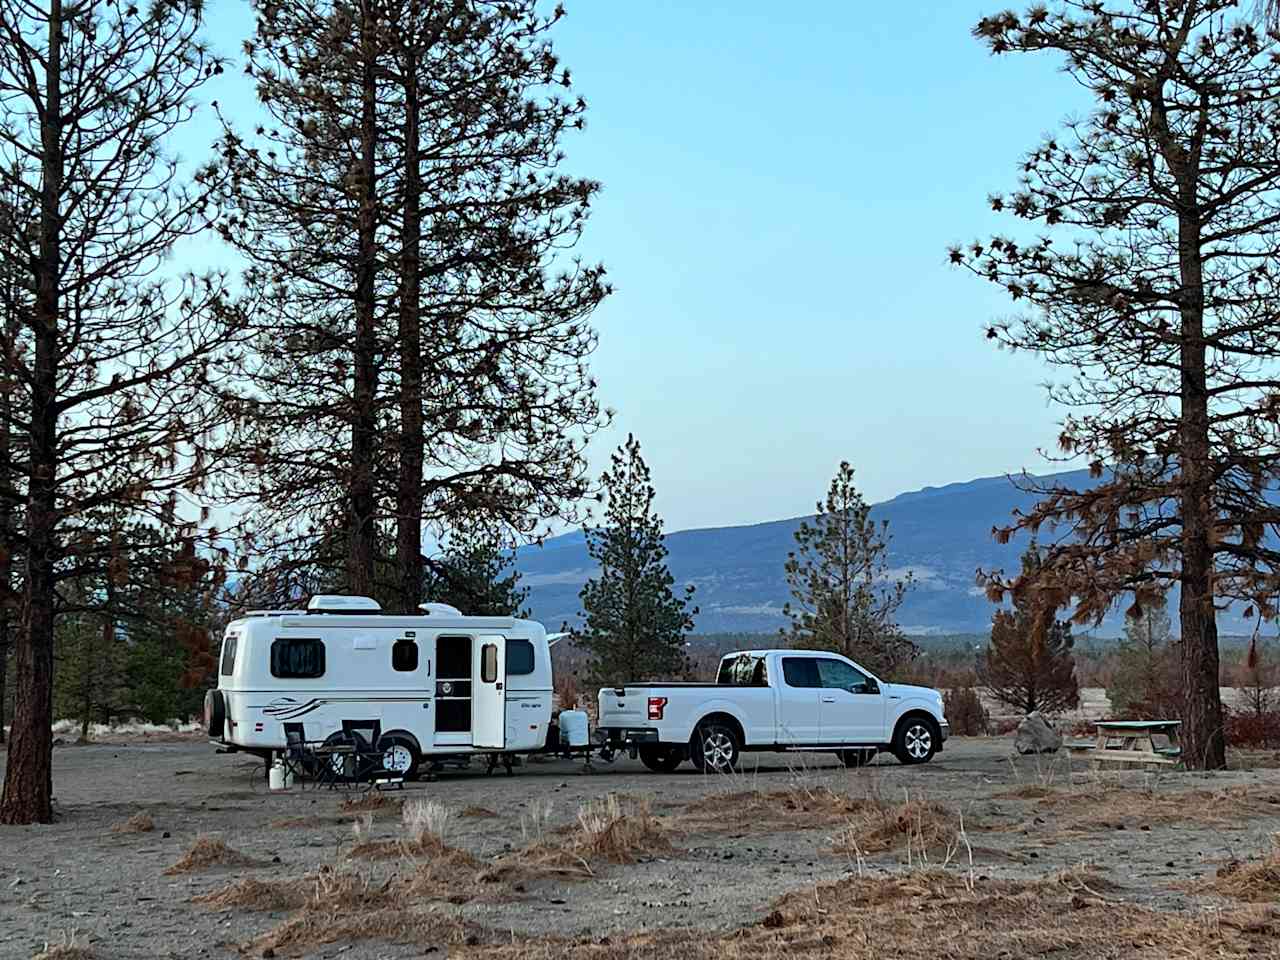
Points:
229	654
519	658
296	658
800	672
743	671
838	675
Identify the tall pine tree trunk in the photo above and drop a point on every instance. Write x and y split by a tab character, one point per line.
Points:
360	561
1203	745
28	782
409	481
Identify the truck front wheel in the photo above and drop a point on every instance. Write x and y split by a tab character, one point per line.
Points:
915	741
714	748
661	758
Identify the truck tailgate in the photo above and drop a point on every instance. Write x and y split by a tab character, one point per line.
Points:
624	708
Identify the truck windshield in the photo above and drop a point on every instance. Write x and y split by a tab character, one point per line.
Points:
743	670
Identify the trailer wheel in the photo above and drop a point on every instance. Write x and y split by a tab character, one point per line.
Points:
400	755
714	748
661	758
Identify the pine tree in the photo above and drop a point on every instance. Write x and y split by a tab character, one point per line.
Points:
844	599
1028	663
110	375
633	623
1144	683
475	575
1150	277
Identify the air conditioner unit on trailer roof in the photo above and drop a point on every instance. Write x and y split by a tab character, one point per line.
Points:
334	603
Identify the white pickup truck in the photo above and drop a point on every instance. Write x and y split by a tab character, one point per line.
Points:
773	700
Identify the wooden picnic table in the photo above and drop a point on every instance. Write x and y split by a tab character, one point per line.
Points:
1133	741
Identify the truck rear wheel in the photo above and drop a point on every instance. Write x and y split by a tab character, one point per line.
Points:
661	758
714	748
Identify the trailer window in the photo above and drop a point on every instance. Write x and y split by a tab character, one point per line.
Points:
297	658
519	658
743	671
404	655
489	663
800	672
229	654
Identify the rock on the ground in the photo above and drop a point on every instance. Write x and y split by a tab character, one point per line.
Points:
1036	735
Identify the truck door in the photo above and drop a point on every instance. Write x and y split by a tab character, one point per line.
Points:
489	695
852	706
798	716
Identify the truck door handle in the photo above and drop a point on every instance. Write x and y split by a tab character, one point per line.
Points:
828	699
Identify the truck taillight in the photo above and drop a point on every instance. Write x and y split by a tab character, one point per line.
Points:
656	706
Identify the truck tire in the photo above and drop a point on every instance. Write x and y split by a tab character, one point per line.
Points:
661	758
915	740
856	758
714	747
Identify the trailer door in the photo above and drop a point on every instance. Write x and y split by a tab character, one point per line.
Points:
489	695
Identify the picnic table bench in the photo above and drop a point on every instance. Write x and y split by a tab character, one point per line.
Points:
1133	741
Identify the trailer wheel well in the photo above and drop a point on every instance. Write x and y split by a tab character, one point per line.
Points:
729	720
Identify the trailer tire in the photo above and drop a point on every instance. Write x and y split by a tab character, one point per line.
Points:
215	713
661	758
714	747
400	754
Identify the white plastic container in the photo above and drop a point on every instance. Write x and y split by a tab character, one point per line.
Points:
275	778
574	728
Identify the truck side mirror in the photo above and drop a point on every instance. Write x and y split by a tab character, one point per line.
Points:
867	686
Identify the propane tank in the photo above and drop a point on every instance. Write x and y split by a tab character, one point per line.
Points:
275	778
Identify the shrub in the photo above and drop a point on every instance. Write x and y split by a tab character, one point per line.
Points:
964	711
1252	729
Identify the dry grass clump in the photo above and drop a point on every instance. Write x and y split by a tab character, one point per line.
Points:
927	915
425	825
618	831
1116	807
478	813
1254	881
251	894
798	807
138	823
927	830
67	950
1028	791
379	804
210	852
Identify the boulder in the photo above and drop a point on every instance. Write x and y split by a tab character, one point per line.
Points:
1036	735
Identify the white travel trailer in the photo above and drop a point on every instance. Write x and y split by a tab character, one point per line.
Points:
439	683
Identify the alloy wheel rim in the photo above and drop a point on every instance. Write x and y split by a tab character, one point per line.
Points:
717	750
918	741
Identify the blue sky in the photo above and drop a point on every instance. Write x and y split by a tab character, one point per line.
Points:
781	182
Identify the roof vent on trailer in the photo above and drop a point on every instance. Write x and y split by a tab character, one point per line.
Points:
333	603
439	610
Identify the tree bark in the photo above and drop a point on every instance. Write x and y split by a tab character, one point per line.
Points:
1203	743
28	782
409	481
360	561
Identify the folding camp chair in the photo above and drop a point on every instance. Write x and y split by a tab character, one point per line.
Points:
364	735
299	761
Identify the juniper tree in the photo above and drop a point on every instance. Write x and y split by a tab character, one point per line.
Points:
1151	283
633	624
108	374
1028	663
844	596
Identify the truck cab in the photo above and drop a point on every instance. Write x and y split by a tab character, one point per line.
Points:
780	700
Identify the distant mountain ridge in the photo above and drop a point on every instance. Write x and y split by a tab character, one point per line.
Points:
942	534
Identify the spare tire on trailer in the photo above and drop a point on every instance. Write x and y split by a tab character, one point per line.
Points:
215	713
